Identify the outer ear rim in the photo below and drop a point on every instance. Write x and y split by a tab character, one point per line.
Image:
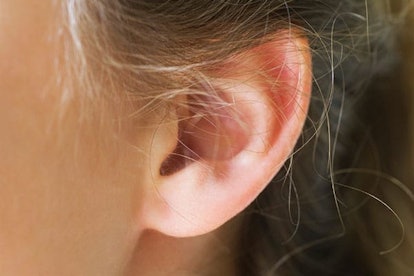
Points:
205	194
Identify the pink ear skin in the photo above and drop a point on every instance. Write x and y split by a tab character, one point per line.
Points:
217	135
236	150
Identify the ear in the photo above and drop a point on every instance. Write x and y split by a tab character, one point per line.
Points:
223	159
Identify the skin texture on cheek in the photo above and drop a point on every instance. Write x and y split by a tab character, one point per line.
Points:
66	195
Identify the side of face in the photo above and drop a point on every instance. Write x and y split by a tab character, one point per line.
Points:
62	181
78	188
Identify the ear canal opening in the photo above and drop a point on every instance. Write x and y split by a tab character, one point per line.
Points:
212	138
181	157
211	135
173	163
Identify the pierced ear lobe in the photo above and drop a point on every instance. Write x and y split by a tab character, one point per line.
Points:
226	157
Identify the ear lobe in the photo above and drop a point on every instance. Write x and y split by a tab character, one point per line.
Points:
237	149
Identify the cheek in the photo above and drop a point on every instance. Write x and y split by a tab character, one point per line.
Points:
26	68
68	195
70	191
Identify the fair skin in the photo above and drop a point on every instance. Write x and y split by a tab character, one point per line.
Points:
85	196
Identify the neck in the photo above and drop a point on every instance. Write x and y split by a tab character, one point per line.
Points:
210	254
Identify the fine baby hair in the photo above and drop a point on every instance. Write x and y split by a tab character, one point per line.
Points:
193	137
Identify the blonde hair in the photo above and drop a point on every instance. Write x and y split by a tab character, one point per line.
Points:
157	51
